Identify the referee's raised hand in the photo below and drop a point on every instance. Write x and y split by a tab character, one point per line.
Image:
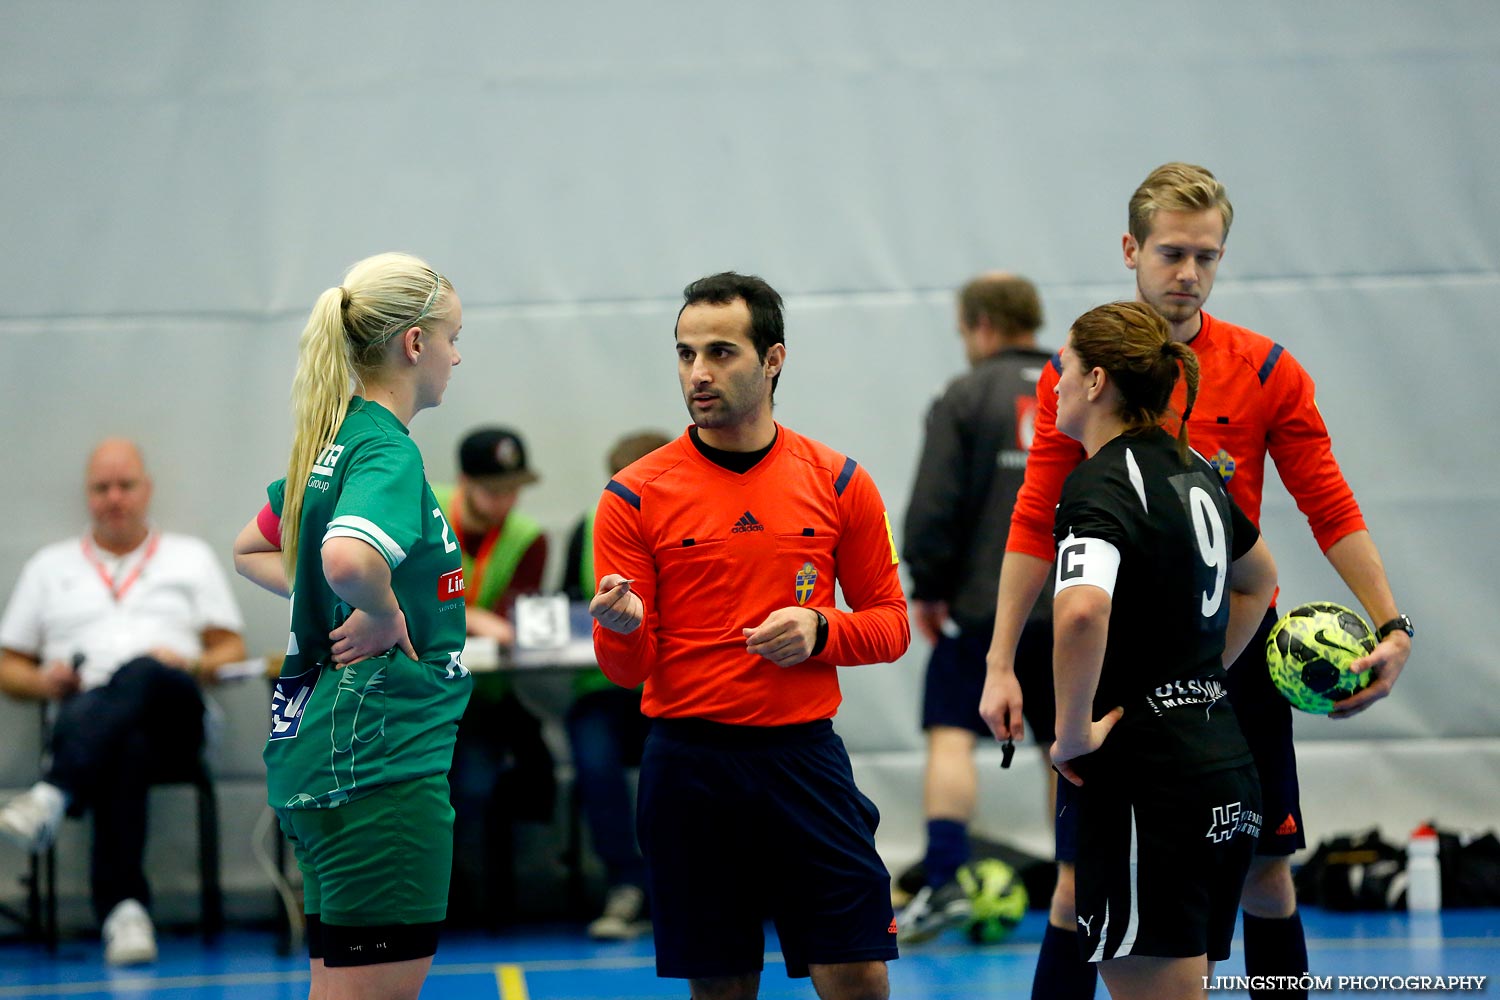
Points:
616	606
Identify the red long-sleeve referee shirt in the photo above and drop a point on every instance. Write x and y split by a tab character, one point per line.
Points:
712	552
1254	399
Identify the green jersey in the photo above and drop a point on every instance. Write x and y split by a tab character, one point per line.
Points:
337	733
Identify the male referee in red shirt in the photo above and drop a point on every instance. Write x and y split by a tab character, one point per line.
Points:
718	556
1254	400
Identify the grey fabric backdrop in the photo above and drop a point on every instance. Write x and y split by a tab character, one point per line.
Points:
181	180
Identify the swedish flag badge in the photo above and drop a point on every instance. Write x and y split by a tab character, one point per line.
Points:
807	576
1223	462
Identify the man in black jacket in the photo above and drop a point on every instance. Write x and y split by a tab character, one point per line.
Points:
972	463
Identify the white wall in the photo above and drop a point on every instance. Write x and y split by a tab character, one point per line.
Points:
181	180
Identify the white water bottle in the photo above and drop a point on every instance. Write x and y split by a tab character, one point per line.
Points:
1424	882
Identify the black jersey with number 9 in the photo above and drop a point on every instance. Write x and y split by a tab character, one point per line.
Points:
1175	532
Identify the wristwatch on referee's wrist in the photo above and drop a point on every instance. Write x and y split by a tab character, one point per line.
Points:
1400	623
820	637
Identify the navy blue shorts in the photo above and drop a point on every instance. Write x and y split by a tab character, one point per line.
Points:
740	825
1266	720
955	680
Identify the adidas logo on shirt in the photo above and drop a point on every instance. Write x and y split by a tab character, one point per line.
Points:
747	522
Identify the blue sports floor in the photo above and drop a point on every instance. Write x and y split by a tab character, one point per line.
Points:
559	964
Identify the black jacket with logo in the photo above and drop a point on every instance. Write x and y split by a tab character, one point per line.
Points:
972	463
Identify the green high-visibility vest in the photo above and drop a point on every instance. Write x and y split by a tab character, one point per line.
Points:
586	582
516	536
586	681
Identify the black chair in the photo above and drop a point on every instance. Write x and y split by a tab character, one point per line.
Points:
572	855
196	772
40	920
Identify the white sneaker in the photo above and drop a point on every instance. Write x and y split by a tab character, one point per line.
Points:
623	917
129	938
30	820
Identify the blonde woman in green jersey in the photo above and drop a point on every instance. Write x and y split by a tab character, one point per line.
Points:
367	705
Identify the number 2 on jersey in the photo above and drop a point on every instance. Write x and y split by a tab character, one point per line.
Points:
448	543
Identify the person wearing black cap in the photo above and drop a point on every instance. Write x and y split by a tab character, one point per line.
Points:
505	551
502	770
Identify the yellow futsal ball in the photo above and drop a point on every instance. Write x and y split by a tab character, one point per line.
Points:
1310	652
997	898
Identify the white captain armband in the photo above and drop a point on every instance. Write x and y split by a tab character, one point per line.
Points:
1091	561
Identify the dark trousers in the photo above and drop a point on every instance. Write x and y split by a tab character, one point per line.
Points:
108	746
607	732
502	773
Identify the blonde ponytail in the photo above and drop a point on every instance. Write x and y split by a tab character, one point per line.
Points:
320	398
343	342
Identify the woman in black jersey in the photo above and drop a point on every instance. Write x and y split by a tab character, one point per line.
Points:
1160	582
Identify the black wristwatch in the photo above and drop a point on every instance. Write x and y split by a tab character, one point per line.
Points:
820	638
1400	623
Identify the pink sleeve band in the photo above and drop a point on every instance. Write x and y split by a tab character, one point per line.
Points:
269	525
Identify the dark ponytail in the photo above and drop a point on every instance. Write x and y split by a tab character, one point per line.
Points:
1132	342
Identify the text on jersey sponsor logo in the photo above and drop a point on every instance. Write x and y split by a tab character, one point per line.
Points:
450	586
747	522
288	702
1205	692
1225	822
1231	819
327	459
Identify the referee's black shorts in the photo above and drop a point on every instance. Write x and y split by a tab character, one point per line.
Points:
741	824
1266	720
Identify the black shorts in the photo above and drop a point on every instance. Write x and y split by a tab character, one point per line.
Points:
955	680
347	947
1065	823
1161	865
741	824
1266	720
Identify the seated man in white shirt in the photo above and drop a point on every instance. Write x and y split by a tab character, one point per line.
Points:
117	627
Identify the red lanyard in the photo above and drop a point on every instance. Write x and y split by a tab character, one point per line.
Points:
118	590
